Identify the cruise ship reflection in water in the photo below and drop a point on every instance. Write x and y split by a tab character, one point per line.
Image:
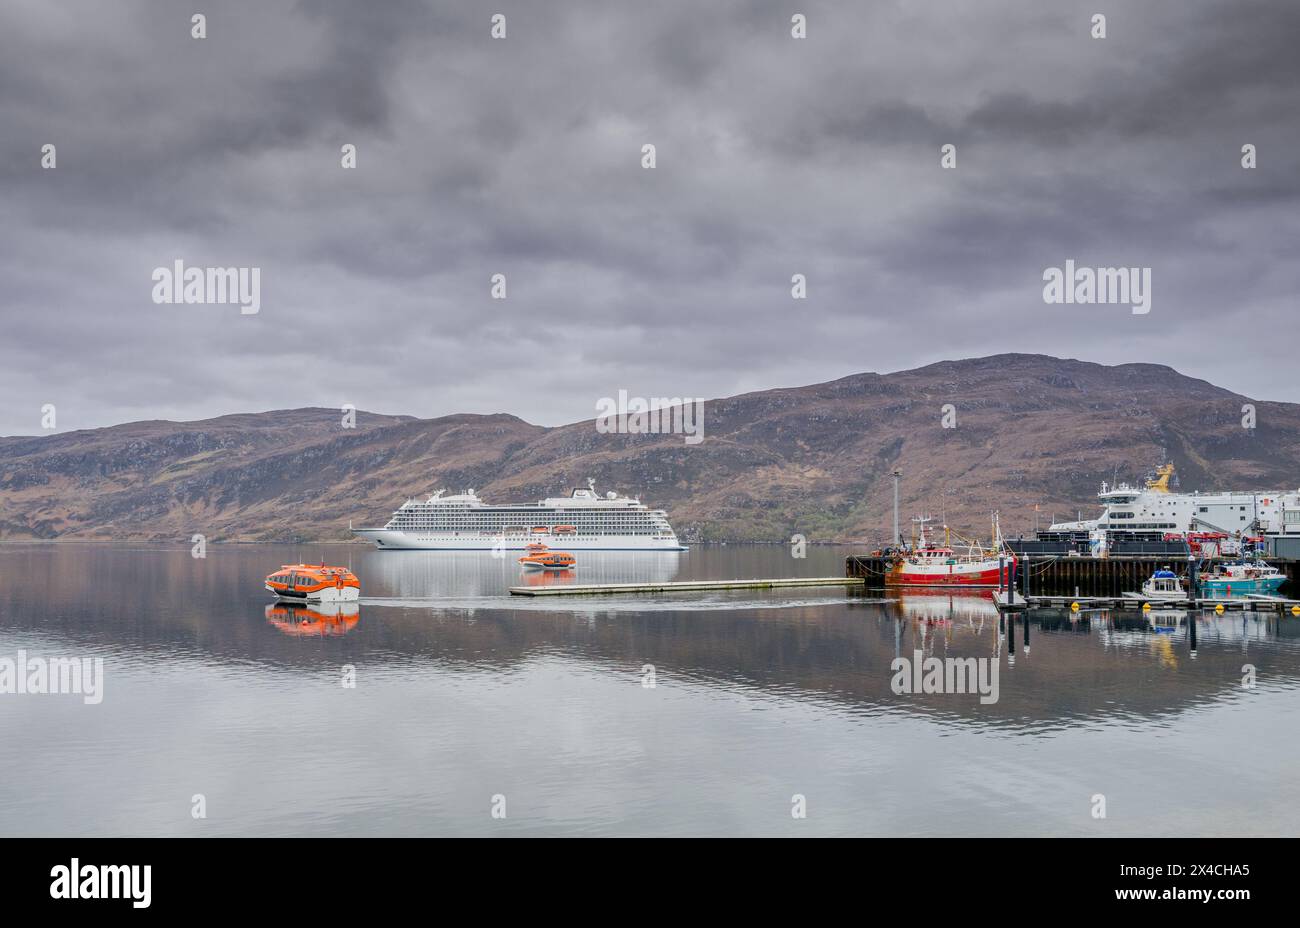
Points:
462	575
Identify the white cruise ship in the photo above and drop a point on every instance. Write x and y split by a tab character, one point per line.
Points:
1154	508
582	521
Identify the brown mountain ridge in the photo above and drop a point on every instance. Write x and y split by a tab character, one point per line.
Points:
811	460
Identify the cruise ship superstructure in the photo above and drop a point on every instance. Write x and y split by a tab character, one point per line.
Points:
1155	508
584	520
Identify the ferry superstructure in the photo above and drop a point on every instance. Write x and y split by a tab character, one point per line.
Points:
1155	508
584	521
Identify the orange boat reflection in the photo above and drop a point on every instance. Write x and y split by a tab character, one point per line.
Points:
313	621
548	578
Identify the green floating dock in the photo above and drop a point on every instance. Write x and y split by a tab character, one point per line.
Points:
684	586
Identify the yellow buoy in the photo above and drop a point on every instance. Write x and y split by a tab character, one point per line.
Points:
1219	609
1074	607
1295	610
1146	607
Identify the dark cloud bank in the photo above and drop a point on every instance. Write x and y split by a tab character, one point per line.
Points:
522	157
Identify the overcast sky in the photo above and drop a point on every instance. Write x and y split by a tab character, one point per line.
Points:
522	156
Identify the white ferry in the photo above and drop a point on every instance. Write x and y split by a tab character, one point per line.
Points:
584	520
1155	508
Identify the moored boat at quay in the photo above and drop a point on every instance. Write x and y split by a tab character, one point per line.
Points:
927	563
1241	578
1164	586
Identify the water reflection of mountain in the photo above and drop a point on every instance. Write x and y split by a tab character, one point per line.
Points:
156	605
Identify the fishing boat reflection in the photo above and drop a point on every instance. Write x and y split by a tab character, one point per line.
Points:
943	620
317	621
948	607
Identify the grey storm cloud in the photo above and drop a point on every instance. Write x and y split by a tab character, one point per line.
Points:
521	156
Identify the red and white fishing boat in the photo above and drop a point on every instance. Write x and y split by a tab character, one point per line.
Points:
928	563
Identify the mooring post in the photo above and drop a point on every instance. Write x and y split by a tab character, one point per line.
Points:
1001	567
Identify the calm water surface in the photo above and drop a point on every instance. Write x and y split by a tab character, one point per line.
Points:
464	692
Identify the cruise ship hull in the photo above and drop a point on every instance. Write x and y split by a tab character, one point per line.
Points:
419	541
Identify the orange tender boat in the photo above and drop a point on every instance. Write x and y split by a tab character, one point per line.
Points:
309	583
539	558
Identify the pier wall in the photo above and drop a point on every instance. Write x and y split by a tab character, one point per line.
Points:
1081	576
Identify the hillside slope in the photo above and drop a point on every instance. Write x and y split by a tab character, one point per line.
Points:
814	460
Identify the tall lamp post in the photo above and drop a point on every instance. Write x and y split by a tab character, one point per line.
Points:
897	474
